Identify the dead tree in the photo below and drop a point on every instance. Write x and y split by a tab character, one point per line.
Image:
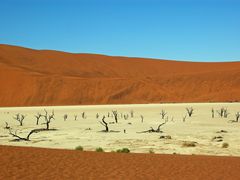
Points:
220	112
223	112
19	138
48	118
141	118
75	117
158	129
20	118
212	113
237	116
108	114
151	130
189	111
105	124
125	116
6	126
115	114
84	115
163	114
97	115
65	117
184	118
38	116
132	113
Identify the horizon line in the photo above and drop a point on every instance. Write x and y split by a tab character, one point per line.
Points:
120	56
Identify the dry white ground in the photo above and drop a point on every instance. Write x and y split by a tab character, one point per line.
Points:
201	128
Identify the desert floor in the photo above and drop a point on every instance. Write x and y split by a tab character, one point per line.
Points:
207	133
41	163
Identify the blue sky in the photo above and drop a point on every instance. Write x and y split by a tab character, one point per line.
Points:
195	30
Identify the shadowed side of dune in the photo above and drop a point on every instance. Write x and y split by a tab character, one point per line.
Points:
35	77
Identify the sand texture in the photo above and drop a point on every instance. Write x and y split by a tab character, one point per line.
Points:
33	78
37	163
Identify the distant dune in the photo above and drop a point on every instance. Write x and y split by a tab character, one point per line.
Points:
42	77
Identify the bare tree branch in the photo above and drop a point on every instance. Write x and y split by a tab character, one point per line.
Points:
115	116
105	124
151	130
163	114
38	116
20	118
189	111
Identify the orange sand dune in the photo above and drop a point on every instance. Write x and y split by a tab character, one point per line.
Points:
41	77
37	163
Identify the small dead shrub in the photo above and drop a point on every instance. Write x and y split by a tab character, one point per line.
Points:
99	149
222	131
166	137
151	151
225	145
189	144
79	148
123	150
217	138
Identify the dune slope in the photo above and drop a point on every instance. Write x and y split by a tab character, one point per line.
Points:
41	77
37	163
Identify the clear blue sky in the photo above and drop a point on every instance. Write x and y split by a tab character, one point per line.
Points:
197	30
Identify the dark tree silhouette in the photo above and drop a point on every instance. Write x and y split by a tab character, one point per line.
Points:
105	124
115	116
20	118
189	111
48	118
38	116
163	114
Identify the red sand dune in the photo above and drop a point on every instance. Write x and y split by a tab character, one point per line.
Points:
37	163
41	77
38	77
